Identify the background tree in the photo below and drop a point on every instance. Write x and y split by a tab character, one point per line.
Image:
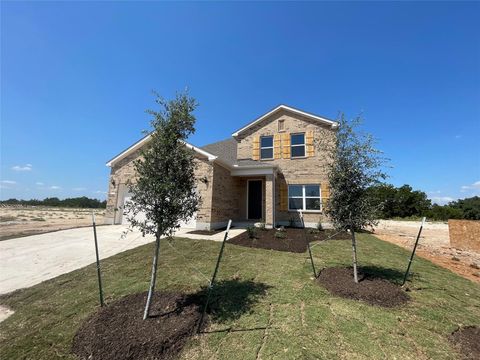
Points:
164	190
354	165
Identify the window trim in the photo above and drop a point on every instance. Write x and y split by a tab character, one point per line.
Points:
267	147
298	145
281	121
304	198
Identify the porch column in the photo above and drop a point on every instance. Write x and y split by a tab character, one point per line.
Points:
269	204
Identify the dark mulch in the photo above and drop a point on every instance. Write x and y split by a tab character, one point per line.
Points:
294	240
372	287
205	232
118	330
467	341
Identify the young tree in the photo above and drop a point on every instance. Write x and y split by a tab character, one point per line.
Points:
353	165
164	189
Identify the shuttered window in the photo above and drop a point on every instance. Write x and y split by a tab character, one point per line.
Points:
266	147
297	145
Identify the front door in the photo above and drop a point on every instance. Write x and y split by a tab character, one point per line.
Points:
254	208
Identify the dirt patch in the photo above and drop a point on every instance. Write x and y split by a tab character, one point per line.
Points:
293	240
32	220
467	341
373	287
118	331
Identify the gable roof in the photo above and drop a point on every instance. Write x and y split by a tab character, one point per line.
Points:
311	116
145	140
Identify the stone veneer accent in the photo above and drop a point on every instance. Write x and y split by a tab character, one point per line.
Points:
308	170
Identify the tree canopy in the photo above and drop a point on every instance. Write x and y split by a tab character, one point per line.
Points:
78	202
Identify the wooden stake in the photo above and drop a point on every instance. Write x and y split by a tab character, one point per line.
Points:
308	246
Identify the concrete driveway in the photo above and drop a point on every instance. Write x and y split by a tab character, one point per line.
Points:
30	260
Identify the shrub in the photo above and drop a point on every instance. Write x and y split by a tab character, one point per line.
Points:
251	231
319	226
280	234
262	226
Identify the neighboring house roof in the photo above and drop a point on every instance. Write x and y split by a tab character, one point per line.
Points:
311	116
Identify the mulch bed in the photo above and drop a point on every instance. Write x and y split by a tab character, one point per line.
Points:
370	289
467	341
118	330
294	240
205	232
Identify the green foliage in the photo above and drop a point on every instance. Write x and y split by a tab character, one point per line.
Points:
252	231
398	202
165	186
280	234
404	202
319	226
78	202
262	226
353	165
470	207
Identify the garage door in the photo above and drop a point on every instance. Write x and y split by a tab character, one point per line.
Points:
190	224
139	217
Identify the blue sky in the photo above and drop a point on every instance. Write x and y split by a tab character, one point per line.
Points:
76	79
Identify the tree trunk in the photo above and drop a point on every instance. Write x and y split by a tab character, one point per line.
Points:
354	248
154	275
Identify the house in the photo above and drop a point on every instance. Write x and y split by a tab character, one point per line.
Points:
268	171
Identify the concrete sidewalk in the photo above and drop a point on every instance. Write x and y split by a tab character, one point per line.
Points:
32	259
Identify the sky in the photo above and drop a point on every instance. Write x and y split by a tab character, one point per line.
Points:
77	77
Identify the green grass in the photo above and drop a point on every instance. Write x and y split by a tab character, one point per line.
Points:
302	319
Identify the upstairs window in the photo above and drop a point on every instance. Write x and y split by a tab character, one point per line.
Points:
266	147
297	145
304	198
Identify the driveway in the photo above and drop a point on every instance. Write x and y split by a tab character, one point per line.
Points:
30	260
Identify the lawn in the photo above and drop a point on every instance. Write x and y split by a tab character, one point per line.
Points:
295	317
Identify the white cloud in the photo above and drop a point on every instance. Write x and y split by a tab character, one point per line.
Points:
79	189
441	200
54	187
475	186
458	136
39	183
10	182
26	167
99	192
435	192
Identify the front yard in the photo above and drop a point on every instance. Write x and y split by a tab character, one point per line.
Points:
294	318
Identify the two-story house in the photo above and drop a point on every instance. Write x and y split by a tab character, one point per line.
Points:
268	171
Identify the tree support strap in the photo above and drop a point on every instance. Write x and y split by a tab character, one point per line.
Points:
212	282
308	246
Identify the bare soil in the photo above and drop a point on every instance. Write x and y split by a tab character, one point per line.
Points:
372	287
467	341
118	330
434	245
31	220
294	240
205	232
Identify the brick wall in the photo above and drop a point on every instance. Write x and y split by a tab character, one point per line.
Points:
465	234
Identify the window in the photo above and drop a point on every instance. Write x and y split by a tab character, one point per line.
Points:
281	125
297	145
266	147
304	197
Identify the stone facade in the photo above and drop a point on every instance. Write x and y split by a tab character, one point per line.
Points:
307	170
